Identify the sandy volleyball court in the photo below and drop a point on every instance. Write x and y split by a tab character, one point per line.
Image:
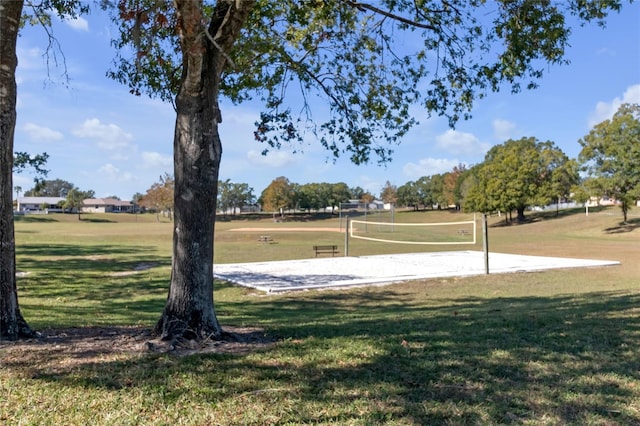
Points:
335	272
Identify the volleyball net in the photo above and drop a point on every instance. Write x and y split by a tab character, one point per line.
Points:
443	233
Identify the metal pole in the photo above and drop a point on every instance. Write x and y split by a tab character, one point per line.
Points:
485	242
346	237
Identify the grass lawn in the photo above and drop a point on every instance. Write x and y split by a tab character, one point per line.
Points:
546	348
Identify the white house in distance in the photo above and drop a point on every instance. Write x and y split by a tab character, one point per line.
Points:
39	204
107	205
91	205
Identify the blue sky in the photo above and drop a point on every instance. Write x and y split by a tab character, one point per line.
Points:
101	137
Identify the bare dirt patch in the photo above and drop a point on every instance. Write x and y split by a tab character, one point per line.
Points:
288	229
56	349
137	269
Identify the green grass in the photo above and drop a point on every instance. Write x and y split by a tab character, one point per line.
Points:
548	348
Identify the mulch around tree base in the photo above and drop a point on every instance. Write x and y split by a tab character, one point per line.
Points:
90	344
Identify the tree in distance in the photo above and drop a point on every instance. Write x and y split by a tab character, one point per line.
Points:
389	193
278	196
611	155
353	55
233	196
52	188
521	173
75	200
159	197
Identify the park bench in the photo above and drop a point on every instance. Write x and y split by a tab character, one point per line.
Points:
326	249
265	239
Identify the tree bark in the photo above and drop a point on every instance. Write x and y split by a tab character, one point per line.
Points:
189	312
12	324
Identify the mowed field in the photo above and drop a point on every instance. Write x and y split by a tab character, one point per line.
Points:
544	348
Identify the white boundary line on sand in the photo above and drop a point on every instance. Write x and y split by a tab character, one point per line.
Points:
335	272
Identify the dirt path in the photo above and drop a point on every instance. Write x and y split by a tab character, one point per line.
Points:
278	229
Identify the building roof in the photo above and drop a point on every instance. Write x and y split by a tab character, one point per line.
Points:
40	200
99	202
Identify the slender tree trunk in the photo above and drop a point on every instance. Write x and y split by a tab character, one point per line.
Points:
12	324
189	312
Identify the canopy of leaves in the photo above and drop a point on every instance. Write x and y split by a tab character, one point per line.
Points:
51	188
279	195
368	61
611	155
520	173
232	196
389	193
317	196
36	163
74	199
159	196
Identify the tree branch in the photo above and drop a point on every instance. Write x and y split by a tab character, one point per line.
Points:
364	6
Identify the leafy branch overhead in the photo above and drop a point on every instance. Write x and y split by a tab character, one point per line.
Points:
370	62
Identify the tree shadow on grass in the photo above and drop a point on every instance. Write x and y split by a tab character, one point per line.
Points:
33	219
108	284
622	228
57	258
96	220
378	357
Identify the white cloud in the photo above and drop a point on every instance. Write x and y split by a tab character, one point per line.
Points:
503	129
39	133
605	110
78	23
460	143
29	59
155	159
369	184
428	167
112	173
272	159
239	116
108	136
23	181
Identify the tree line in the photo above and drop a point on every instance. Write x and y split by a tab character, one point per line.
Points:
514	175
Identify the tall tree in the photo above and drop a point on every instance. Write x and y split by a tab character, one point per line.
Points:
389	193
74	201
278	196
450	185
50	188
408	195
12	323
518	174
611	154
351	54
340	193
308	197
425	189
160	196
233	196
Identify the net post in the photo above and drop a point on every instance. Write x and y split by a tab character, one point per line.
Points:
346	236
485	243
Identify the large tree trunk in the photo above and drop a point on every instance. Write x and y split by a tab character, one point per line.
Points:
12	324
189	312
